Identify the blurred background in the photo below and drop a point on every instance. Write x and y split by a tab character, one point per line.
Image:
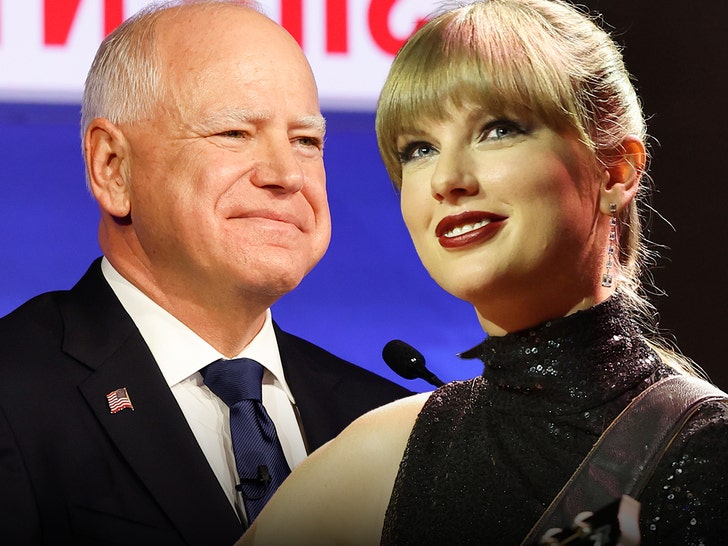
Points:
370	287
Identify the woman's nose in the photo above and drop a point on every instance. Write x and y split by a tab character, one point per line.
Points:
453	177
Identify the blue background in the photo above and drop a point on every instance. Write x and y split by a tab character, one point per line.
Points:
368	289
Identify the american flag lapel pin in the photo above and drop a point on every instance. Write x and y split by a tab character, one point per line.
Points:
119	400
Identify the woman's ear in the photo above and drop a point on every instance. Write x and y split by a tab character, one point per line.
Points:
107	152
625	167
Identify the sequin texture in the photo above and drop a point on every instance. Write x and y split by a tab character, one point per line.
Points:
487	455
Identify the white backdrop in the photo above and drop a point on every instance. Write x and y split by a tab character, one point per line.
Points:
46	46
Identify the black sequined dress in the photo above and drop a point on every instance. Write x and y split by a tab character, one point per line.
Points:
487	456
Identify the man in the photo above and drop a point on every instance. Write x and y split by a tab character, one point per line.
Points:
203	143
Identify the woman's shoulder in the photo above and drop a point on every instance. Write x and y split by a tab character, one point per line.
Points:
393	423
686	500
392	419
339	494
379	437
707	428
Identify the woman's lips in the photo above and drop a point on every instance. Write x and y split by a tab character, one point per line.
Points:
467	228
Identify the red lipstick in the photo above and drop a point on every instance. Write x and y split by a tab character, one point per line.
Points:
468	228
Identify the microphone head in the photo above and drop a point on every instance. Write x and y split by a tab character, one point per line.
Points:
404	359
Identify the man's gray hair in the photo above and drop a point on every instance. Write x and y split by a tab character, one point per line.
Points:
124	82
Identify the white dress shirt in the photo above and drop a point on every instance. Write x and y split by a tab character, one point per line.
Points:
181	354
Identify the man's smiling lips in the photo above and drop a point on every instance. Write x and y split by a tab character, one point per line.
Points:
270	217
467	228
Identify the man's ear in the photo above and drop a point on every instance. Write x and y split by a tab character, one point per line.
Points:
106	151
625	166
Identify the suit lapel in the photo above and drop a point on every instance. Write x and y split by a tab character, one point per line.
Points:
154	437
330	392
314	386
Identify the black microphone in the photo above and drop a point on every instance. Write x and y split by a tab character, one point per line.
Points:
408	362
259	483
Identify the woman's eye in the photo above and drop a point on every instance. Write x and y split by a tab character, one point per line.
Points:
501	129
416	150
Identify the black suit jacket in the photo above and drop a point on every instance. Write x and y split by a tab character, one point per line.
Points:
71	472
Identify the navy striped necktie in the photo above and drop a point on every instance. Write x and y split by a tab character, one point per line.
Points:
259	458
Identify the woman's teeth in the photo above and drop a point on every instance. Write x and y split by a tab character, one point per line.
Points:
466	228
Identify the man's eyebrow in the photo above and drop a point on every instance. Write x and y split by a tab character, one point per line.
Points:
235	115
314	121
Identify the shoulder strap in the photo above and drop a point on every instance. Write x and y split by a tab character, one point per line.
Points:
621	462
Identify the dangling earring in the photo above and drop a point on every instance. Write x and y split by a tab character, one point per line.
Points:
607	279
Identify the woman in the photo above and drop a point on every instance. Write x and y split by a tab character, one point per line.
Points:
516	139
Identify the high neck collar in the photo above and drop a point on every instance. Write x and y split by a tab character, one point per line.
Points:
575	362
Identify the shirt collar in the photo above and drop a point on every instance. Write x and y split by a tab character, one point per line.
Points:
188	353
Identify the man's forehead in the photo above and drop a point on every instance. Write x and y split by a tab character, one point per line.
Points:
197	30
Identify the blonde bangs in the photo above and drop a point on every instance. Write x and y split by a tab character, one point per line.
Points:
502	67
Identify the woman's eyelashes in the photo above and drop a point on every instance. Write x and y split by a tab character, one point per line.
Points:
415	150
492	132
502	129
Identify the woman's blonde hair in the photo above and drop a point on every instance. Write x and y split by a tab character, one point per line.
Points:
541	57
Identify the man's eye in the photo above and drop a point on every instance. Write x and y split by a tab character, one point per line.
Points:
234	133
310	141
